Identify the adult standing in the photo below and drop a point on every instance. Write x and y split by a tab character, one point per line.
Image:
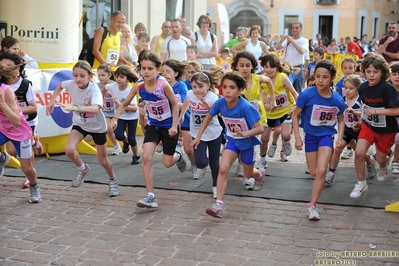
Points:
240	36
127	50
186	32
295	51
317	40
156	41
174	46
389	45
333	47
206	43
110	47
353	48
252	45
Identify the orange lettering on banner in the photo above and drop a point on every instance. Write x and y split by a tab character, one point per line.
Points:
63	97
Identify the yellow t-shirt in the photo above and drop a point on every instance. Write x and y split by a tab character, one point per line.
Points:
159	44
284	99
254	97
110	49
224	63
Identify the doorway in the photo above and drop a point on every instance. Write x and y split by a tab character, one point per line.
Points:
326	28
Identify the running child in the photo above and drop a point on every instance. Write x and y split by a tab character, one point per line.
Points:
104	74
14	128
351	116
88	119
242	122
128	119
394	79
200	100
172	71
285	99
26	98
319	108
163	119
378	125
245	63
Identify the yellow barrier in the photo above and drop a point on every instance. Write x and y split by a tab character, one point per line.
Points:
392	207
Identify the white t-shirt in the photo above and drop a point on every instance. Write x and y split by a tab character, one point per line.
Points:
205	46
198	113
30	97
291	55
93	123
113	89
176	48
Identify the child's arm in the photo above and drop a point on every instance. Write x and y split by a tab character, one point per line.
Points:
295	126
388	111
341	128
289	87
238	47
50	105
175	107
184	109
255	131
9	106
32	106
296	70
269	83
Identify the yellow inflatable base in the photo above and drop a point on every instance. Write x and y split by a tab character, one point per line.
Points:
392	207
55	145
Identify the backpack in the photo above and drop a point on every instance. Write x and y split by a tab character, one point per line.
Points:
20	94
86	52
212	36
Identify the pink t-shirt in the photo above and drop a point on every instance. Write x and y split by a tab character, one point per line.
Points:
22	132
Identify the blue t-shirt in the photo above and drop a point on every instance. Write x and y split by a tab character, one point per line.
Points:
311	68
180	91
188	84
159	110
319	114
244	115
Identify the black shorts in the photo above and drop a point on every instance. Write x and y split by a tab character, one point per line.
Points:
184	128
98	138
156	134
276	122
349	135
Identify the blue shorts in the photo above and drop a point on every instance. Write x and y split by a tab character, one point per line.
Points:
313	143
247	156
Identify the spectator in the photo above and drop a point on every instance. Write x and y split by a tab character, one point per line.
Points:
186	32
321	45
342	46
311	47
156	41
317	40
127	49
11	45
389	45
175	45
207	46
333	47
111	45
296	48
353	48
139	28
240	36
142	42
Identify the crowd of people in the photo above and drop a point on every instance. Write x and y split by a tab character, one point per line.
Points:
197	101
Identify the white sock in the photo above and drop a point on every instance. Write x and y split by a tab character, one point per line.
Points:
82	167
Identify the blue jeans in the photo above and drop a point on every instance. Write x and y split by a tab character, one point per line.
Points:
299	80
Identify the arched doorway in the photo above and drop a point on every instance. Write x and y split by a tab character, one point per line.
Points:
245	18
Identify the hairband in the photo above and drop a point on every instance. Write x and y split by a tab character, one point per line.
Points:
324	65
201	73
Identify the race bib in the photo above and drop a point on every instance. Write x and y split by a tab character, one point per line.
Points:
255	104
197	118
231	123
323	115
159	110
281	100
374	120
109	103
350	119
85	117
112	56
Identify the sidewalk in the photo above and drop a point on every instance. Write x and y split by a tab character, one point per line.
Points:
83	226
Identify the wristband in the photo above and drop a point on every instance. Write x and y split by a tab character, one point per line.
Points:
75	108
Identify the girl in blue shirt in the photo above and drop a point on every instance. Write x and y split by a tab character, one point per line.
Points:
319	108
242	122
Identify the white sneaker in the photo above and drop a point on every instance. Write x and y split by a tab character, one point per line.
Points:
395	168
201	172
240	170
313	214
283	157
330	177
214	192
272	150
262	163
159	148
382	173
194	171
287	148
347	154
358	189
249	183
371	172
117	150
